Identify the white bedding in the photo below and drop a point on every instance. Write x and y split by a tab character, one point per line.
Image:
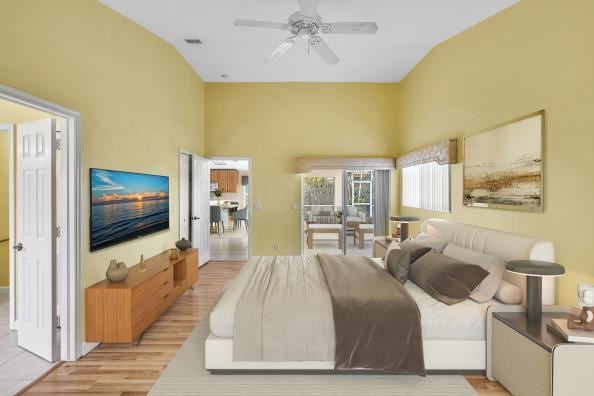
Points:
462	321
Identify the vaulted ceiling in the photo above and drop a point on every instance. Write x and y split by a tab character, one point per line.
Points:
408	30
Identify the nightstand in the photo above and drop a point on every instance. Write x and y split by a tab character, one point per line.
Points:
380	246
528	359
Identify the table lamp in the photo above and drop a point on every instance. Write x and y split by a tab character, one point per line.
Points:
534	270
404	221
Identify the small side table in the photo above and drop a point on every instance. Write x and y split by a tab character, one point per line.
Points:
528	359
380	246
404	221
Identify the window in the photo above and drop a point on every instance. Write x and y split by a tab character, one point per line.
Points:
360	194
426	186
318	193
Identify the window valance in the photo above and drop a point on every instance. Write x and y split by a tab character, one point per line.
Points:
444	152
304	165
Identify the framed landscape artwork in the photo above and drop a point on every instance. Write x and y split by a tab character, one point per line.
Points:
503	167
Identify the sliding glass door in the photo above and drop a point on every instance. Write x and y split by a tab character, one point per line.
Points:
358	220
339	211
322	199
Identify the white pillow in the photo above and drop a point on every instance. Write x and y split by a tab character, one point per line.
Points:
494	264
432	242
508	293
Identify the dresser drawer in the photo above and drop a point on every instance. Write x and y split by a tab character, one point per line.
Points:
146	291
147	297
521	365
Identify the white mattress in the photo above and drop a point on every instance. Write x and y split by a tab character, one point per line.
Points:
462	321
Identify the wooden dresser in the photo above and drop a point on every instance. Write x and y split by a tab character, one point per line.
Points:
119	312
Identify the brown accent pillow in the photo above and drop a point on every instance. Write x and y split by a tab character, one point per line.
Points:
398	263
416	250
445	278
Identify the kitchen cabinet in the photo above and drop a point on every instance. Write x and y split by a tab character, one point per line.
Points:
226	178
232	178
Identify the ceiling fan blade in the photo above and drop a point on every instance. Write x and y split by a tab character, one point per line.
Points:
308	7
349	28
281	49
261	24
322	48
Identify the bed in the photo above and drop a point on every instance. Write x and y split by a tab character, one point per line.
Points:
453	337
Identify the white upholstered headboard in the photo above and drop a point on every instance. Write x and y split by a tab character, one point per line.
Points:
498	243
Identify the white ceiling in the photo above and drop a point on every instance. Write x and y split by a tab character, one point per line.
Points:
408	30
241	165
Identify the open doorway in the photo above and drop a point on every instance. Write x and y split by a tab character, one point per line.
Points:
26	206
230	202
39	248
194	182
342	210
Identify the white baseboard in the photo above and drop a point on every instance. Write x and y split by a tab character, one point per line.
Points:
4	289
88	347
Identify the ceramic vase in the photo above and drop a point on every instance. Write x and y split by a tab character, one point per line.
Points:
183	244
116	272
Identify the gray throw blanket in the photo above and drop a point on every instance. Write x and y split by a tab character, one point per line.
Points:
377	323
326	308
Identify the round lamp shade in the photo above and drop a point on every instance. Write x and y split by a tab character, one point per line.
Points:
535	268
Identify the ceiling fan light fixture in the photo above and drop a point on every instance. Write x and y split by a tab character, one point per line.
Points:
307	24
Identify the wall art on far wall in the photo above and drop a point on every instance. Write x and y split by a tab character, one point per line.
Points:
503	167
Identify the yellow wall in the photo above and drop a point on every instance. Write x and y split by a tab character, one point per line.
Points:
275	123
139	100
4	151
13	113
535	55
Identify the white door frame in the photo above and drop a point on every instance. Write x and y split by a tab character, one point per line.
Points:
250	212
70	210
179	187
9	128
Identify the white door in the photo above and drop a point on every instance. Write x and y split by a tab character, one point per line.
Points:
36	238
201	207
185	161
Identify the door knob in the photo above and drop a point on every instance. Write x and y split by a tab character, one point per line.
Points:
18	247
195	218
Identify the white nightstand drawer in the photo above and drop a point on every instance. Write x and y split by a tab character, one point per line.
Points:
521	365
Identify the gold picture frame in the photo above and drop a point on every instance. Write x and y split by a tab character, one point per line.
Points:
504	165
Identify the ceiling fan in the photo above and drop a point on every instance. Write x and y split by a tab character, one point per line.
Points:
307	24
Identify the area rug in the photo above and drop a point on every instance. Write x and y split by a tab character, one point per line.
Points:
186	375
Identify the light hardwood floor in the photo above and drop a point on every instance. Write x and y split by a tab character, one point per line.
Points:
231	245
132	370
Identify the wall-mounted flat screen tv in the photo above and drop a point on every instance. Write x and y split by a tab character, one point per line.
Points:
126	205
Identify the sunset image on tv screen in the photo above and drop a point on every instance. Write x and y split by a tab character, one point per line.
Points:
126	205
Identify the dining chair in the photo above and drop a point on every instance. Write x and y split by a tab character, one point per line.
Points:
239	216
216	218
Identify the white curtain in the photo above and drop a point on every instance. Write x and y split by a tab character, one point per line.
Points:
426	186
381	200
